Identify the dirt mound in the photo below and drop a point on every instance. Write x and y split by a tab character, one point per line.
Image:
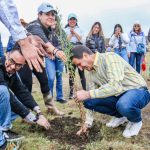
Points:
64	131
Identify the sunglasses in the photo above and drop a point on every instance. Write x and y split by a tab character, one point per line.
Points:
51	13
136	26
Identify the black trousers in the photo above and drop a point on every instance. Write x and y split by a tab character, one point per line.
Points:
26	76
72	75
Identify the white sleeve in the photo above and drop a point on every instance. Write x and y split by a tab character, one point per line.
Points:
9	17
112	41
125	38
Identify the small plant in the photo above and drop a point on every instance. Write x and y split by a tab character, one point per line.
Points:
66	47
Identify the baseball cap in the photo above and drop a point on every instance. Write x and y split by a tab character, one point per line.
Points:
46	7
72	15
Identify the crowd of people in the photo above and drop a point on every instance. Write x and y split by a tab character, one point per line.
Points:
116	87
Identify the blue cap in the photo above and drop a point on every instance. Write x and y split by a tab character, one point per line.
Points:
72	15
46	7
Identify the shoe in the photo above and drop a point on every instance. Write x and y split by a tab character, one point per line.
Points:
62	101
12	136
71	96
132	129
54	110
115	122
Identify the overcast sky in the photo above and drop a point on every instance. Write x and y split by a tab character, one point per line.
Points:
108	12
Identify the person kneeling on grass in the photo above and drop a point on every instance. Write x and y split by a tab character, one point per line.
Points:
15	97
115	89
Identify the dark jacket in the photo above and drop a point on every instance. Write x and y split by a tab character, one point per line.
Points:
95	43
47	35
20	98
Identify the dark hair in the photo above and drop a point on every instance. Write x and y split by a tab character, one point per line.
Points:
118	26
16	47
67	25
77	51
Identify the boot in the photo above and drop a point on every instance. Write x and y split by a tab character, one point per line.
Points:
49	103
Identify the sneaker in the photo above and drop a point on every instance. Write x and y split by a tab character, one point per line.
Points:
115	122
62	101
132	129
12	136
71	96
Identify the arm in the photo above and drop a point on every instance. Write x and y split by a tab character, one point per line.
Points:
125	38
9	16
22	93
50	49
103	46
112	40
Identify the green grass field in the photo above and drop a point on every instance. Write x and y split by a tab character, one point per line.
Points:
62	135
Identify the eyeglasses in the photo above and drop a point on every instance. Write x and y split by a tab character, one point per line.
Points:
17	65
51	13
136	26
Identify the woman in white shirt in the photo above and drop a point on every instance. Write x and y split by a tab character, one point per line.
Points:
137	46
75	36
119	42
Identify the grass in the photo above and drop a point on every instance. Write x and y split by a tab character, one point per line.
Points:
62	135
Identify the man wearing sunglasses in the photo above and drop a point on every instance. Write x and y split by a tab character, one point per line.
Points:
15	97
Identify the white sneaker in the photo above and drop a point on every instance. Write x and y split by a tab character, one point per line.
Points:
115	122
132	129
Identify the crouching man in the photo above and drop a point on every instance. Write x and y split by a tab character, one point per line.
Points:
115	89
15	97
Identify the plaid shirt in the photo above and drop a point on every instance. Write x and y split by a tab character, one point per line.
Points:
112	76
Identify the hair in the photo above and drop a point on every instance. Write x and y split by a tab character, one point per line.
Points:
100	29
140	29
67	25
16	47
118	26
77	51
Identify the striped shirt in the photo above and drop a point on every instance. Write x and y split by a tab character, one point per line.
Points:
112	76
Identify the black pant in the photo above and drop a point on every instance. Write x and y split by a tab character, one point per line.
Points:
72	75
26	77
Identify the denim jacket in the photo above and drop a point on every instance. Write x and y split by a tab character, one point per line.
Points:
95	43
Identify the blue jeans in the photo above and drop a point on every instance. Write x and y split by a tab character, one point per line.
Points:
122	53
5	112
138	58
128	104
55	68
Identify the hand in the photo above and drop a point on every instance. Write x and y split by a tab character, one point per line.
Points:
51	56
128	55
60	54
42	121
82	95
30	52
72	31
83	130
39	43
